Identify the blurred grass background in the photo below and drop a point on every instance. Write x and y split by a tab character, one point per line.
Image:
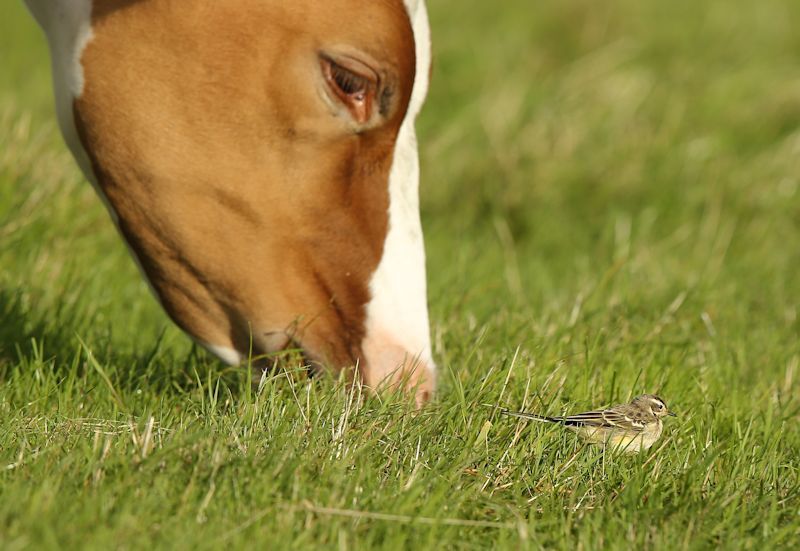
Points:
611	206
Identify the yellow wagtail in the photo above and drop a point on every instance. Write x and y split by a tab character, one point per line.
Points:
630	427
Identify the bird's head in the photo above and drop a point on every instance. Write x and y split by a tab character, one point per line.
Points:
655	404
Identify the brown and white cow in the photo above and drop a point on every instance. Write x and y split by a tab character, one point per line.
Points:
259	158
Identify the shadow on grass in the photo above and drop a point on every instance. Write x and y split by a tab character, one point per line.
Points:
20	330
58	335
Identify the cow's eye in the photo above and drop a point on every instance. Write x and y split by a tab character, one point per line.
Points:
349	83
353	84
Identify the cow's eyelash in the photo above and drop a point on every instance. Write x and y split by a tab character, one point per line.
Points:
349	82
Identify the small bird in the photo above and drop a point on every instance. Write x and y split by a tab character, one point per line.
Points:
630	427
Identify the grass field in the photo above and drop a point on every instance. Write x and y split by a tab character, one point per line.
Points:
611	200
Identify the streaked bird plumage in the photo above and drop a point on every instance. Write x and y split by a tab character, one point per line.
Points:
631	427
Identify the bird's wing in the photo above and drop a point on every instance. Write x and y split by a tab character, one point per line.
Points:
610	418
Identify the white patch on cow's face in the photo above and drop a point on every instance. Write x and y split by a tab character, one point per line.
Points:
397	314
68	27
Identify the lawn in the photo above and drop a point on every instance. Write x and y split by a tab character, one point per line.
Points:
611	202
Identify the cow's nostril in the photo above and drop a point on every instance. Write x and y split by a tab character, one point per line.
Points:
423	398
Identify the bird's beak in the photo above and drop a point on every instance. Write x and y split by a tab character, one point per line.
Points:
672	414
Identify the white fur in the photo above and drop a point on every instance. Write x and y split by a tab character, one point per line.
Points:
67	25
224	353
398	307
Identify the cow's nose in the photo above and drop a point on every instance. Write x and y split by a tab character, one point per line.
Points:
390	366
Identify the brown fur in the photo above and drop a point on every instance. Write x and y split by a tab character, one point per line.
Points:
252	207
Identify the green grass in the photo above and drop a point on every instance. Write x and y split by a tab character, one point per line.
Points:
611	198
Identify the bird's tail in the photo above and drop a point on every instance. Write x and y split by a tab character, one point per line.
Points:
525	415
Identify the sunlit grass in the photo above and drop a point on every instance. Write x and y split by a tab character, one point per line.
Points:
612	206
